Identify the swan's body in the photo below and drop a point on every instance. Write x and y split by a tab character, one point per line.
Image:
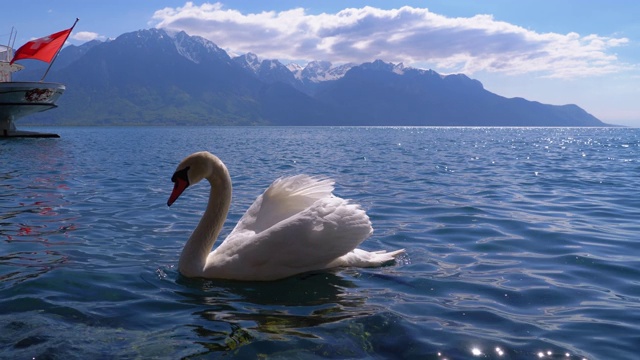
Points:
295	226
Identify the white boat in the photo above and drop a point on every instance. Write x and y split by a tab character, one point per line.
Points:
22	98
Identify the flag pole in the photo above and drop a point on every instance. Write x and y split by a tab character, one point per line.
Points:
57	52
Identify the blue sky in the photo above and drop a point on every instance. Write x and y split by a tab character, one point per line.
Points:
585	52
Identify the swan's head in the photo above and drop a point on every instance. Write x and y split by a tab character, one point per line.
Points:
191	170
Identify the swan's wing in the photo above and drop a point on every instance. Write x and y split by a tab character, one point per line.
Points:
296	225
284	198
311	239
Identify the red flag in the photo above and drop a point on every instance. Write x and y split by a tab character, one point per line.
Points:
43	49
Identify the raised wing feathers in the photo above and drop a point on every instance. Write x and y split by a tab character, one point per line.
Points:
295	226
284	198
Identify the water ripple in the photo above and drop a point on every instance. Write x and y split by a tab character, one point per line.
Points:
521	243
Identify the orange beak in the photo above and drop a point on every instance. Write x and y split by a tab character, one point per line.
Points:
178	187
180	183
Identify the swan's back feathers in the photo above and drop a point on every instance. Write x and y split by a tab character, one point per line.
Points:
315	238
301	186
286	197
296	225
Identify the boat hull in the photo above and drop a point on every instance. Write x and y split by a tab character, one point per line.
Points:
19	99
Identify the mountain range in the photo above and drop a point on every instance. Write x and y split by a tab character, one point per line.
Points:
160	78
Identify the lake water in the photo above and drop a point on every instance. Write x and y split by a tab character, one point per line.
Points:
521	244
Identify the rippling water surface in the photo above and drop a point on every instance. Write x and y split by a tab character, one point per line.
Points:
521	244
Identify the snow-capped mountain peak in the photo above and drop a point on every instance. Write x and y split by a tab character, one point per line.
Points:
318	71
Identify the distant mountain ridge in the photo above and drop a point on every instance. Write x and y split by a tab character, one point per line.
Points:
155	77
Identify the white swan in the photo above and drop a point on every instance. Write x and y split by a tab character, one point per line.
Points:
295	226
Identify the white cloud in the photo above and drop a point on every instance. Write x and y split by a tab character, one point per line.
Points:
87	36
409	35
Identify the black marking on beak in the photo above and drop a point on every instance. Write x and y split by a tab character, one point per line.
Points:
180	181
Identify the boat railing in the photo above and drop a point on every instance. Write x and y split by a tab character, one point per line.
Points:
6	68
6	54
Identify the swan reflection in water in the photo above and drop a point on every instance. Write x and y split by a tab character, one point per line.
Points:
231	314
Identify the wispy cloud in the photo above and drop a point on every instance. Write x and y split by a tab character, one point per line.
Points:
409	35
87	36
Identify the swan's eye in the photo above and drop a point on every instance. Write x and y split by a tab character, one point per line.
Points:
181	175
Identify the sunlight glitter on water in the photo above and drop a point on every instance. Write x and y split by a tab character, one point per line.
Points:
514	250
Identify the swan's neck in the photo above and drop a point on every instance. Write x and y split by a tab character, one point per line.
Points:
193	259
